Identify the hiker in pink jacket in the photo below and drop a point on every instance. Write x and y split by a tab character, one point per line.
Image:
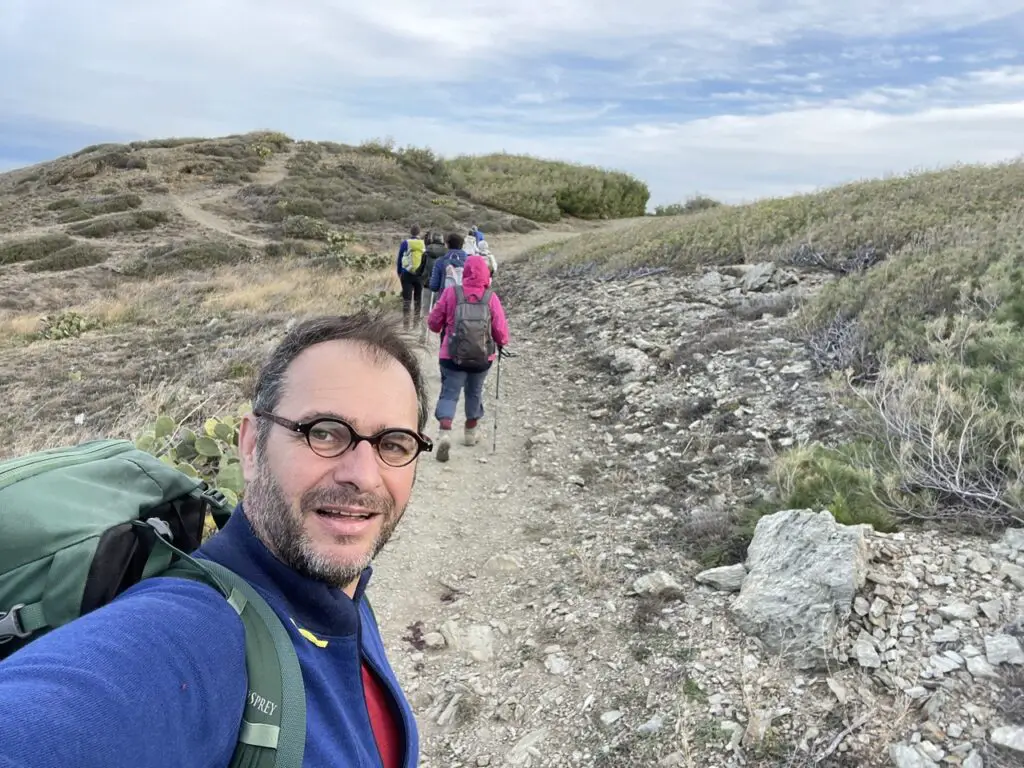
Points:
472	324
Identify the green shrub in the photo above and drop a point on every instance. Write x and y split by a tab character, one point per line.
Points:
63	204
949	433
195	255
288	248
978	270
33	248
112	204
72	257
125	222
73	215
844	480
338	255
693	205
66	325
547	190
304	206
305	228
210	452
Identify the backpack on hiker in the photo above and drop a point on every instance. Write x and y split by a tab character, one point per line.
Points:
436	250
471	343
412	259
81	524
453	271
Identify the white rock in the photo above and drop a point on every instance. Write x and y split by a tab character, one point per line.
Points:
1003	649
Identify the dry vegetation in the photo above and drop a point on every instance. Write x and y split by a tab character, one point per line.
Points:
375	181
143	279
547	191
922	331
922	328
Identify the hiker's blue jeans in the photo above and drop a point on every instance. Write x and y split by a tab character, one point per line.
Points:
453	383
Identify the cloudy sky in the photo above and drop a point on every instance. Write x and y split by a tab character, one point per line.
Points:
737	99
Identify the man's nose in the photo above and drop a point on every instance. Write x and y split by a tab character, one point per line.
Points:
358	466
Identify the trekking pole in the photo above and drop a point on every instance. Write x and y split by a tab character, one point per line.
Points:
497	396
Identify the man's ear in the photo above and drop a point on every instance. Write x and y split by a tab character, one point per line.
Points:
247	445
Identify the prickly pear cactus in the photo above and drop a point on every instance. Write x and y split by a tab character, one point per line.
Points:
210	453
66	325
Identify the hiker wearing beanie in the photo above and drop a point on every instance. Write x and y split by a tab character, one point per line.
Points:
484	250
473	326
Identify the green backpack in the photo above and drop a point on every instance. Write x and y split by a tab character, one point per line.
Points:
80	524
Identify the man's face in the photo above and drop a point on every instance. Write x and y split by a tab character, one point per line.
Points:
301	504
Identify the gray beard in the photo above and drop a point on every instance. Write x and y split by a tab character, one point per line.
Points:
281	529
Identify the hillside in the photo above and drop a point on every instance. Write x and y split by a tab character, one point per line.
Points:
276	185
662	563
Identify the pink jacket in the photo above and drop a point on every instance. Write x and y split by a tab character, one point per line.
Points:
476	277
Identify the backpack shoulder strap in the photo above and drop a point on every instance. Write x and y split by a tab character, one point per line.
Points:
460	294
273	729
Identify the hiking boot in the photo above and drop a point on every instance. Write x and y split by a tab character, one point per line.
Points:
472	435
444	445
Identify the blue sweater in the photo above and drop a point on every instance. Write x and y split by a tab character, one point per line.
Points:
157	677
456	256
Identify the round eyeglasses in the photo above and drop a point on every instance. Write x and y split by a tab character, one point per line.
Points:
330	437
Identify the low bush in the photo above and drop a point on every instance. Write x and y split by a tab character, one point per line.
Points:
72	257
126	222
305	228
196	255
65	325
111	204
693	205
29	249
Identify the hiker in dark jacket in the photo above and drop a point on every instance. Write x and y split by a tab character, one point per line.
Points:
456	376
436	250
157	677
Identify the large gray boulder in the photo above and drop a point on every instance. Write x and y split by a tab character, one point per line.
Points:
803	569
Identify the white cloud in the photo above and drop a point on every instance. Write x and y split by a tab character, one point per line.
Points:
626	84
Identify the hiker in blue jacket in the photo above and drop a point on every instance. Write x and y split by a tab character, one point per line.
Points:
157	677
455	256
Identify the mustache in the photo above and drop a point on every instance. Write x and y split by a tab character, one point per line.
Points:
315	498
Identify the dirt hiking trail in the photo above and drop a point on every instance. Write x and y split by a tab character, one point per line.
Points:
478	529
190	204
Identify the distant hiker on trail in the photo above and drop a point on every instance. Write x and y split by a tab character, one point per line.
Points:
474	329
157	676
410	273
436	250
484	250
448	269
476	233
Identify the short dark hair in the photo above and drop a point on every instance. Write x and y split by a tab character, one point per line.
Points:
455	240
377	332
415	230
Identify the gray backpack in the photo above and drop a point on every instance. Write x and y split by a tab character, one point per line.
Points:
471	343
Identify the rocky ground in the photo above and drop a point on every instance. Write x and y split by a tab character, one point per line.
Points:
572	617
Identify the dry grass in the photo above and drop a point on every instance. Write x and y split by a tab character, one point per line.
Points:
17	327
926	322
826	228
295	288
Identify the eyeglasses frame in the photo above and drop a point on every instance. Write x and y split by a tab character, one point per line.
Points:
305	427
